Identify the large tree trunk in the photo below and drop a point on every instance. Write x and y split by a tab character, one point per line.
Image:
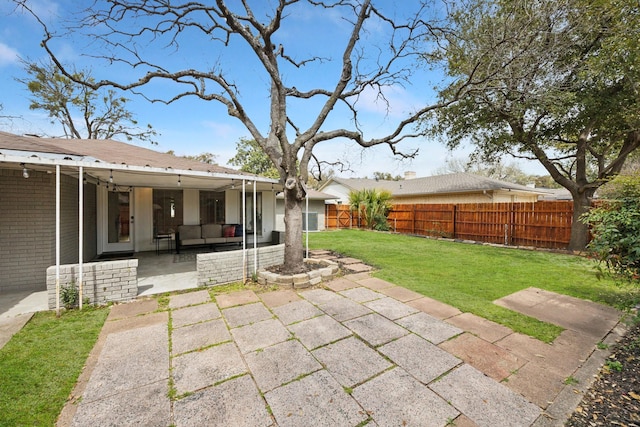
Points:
293	250
580	230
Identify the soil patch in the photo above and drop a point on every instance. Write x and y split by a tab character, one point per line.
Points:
614	397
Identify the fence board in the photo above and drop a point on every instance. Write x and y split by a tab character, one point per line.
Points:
544	224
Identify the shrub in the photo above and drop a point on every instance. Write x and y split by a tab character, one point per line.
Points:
372	207
615	225
69	295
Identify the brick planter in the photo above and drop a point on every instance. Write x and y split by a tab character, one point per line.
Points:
325	270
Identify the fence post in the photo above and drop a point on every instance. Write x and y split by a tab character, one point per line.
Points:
453	220
506	234
413	219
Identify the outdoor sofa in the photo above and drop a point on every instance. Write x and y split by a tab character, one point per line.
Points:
208	235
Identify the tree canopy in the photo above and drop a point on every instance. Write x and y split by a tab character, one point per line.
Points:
251	158
509	172
83	112
560	85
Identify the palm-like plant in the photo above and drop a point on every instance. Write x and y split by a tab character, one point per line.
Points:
372	206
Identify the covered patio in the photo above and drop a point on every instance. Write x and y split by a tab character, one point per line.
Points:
130	197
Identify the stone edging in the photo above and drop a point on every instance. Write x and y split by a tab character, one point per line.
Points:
326	270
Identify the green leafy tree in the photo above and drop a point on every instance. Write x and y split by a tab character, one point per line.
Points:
386	176
497	170
83	112
372	207
208	158
251	158
615	225
560	86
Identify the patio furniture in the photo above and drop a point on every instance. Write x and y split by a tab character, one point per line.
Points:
169	237
208	234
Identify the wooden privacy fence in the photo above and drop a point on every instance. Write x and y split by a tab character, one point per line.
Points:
537	224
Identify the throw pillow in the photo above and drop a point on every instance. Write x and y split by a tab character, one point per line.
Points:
229	231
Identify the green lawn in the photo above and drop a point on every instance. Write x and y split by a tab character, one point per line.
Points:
40	365
470	277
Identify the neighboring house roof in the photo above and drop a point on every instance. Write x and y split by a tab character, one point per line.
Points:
557	194
439	184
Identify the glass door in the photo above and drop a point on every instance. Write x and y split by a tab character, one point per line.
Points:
119	222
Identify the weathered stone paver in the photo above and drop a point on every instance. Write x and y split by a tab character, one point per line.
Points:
485	329
147	355
315	400
189	298
246	314
434	308
550	307
350	361
321	296
344	309
397	399
260	335
341	284
296	311
361	294
375	329
194	314
280	297
485	401
391	308
200	335
419	357
430	328
145	405
131	309
199	369
492	360
319	331
236	298
401	294
233	403
280	364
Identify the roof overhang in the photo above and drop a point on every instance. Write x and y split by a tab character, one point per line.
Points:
98	171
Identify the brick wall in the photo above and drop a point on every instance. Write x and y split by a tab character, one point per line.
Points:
103	282
217	268
27	227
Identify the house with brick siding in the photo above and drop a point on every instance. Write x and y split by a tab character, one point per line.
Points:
70	201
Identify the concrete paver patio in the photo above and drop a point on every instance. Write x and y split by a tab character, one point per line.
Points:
359	350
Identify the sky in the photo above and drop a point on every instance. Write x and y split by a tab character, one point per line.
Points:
192	126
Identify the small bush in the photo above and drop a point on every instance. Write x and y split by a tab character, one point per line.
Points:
69	295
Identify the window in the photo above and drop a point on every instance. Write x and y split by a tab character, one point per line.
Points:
167	211
211	207
249	213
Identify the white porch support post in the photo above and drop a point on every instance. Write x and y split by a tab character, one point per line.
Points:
306	214
244	234
57	240
255	229
80	232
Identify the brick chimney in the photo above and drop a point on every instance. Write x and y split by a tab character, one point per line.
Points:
409	175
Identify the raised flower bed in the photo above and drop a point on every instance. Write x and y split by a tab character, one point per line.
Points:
318	270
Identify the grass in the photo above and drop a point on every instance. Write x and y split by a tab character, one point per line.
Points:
40	365
471	277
